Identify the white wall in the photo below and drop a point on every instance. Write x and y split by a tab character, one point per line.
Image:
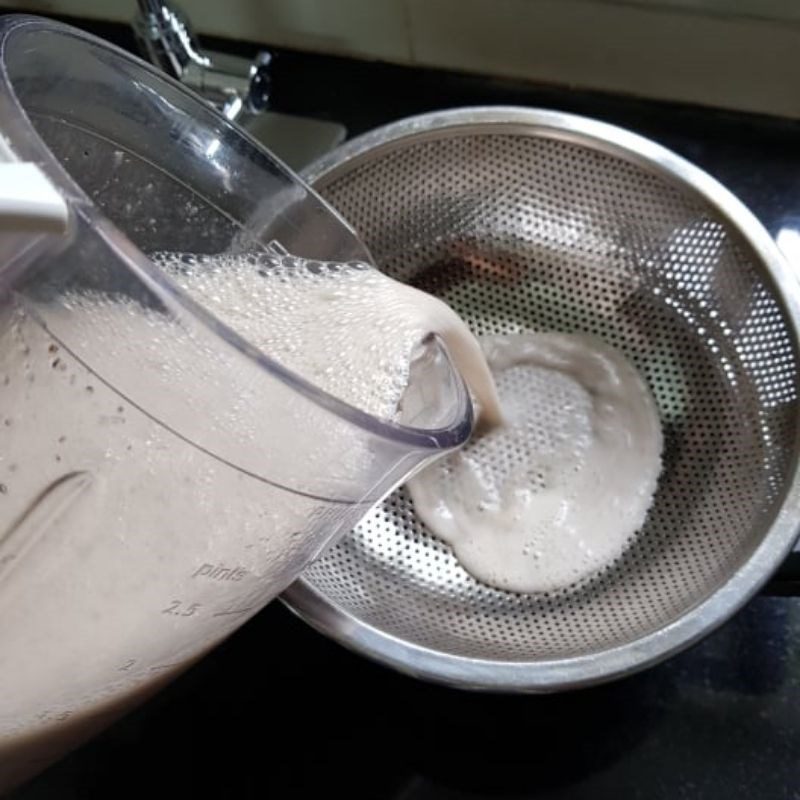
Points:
741	54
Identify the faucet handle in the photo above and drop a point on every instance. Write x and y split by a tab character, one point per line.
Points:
165	35
234	84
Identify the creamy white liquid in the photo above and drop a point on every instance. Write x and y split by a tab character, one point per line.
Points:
555	494
138	540
136	530
347	328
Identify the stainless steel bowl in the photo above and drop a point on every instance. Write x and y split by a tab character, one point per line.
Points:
533	220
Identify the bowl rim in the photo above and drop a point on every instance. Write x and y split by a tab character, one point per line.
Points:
565	673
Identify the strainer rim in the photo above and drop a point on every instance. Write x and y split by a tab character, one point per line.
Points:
572	672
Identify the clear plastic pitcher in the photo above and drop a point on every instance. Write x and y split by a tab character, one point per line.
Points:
160	478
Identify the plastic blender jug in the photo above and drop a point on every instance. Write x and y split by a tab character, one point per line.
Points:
160	478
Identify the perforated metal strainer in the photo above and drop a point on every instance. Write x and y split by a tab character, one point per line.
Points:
527	220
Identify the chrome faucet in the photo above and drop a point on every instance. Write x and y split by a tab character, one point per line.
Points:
235	85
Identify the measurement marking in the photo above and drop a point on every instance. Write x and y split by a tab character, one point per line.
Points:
180	609
235	611
162	667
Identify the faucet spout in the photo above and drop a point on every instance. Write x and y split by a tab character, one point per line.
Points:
235	85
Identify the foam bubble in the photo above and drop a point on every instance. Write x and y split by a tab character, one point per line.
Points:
345	327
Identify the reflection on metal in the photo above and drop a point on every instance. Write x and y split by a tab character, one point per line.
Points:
235	85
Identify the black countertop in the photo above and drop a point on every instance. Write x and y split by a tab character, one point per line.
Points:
278	711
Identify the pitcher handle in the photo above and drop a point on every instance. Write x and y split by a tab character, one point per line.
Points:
29	203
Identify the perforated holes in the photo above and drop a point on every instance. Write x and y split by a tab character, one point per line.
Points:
525	233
